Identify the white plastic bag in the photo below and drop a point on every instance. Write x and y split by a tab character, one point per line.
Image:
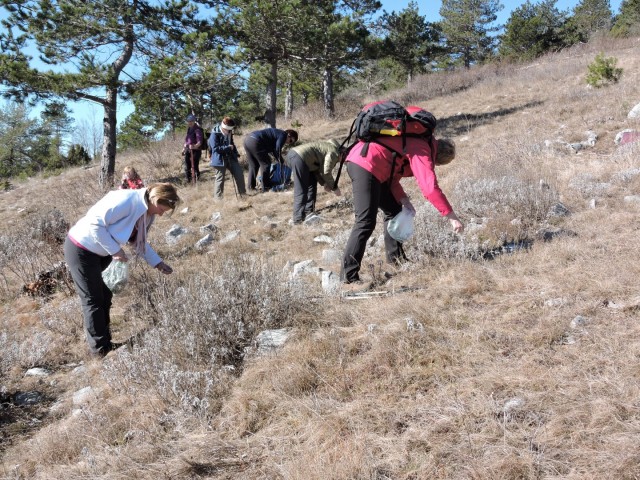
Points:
400	227
116	275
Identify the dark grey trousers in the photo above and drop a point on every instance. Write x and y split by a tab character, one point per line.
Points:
369	195
196	163
305	187
257	160
238	177
86	270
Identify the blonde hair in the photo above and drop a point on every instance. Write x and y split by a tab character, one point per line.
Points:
130	172
163	194
446	151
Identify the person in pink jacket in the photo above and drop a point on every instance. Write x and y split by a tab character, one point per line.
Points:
376	185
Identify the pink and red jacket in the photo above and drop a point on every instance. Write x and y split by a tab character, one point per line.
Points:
127	183
417	162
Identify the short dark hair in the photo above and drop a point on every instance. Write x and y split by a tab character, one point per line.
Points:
293	134
446	151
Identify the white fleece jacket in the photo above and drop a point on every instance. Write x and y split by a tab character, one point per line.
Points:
109	223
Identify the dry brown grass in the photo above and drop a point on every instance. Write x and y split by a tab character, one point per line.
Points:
477	373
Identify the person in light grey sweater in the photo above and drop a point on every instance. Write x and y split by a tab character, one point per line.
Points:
120	217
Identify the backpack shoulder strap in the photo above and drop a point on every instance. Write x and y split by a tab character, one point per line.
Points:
394	155
343	152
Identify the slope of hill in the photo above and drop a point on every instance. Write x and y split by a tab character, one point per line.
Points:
507	352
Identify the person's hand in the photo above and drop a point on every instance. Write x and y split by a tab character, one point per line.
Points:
120	256
456	224
327	188
337	192
164	268
406	203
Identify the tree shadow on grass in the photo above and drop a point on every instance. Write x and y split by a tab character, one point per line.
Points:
463	123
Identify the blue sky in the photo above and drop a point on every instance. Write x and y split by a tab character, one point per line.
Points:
92	113
430	8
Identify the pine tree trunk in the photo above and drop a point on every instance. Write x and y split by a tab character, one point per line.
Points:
288	100
108	162
327	93
270	115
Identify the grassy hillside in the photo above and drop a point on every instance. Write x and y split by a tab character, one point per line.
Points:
507	352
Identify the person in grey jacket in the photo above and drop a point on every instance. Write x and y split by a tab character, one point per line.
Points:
120	217
224	154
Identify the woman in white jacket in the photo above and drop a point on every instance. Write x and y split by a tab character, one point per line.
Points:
120	217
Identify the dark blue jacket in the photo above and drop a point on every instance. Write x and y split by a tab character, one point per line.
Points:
222	147
270	140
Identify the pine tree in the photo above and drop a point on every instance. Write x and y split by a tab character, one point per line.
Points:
335	39
87	44
532	30
466	26
21	146
133	132
57	116
589	17
410	40
326	34
627	22
263	31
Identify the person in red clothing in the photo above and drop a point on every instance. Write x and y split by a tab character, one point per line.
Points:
376	185
130	179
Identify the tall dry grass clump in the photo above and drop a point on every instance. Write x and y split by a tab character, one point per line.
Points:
201	327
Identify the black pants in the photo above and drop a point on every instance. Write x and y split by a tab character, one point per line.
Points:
305	187
257	159
369	195
86	270
196	163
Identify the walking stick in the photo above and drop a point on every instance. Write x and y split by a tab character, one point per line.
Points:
227	165
235	150
193	167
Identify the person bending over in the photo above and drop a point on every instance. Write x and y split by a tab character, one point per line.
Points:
258	145
312	164
376	185
120	217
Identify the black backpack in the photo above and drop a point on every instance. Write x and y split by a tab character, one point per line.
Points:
205	138
386	118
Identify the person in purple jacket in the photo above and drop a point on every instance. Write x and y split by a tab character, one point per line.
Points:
192	152
258	145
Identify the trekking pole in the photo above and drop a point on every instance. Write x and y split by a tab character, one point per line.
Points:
227	165
193	167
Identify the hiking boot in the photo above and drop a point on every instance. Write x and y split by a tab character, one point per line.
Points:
99	354
392	272
357	286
